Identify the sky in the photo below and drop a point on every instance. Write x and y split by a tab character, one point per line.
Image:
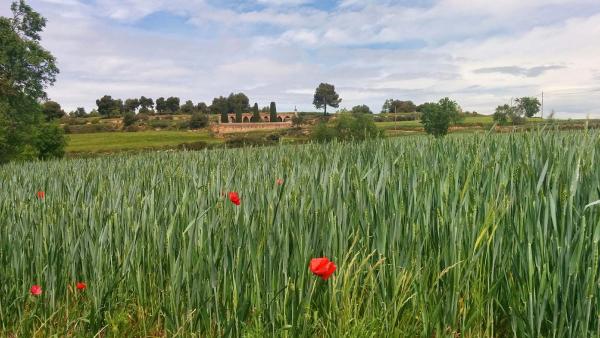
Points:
481	53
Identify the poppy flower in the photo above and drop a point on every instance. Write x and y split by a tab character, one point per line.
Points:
234	198
81	286
322	267
41	195
36	290
279	181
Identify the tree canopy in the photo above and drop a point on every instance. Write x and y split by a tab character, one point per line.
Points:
325	95
437	117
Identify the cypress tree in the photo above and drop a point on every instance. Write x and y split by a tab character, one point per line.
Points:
255	113
273	111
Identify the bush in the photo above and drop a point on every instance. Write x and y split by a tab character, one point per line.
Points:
436	117
183	125
159	124
129	119
198	120
89	128
245	141
50	141
199	145
347	128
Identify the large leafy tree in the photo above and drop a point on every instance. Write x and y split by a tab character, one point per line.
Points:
220	105
188	107
172	104
361	109
161	105
52	110
325	95
437	117
239	104
146	104
26	69
528	106
131	105
108	107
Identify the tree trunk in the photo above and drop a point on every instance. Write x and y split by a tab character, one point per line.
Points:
325	110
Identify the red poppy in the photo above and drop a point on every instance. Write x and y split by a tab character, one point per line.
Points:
234	198
81	286
41	195
36	290
322	267
279	181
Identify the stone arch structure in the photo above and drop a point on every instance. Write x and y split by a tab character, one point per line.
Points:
246	119
264	117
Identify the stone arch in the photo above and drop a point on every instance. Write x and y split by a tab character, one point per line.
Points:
279	119
231	119
266	118
246	119
286	118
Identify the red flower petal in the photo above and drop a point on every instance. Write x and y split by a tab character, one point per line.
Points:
81	286
234	198
36	290
322	267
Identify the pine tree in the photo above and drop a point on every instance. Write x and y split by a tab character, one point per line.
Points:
273	111
255	113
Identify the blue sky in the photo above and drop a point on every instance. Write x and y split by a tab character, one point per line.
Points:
481	53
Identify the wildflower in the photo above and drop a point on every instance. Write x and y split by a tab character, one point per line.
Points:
41	195
279	181
234	198
322	267
36	290
81	286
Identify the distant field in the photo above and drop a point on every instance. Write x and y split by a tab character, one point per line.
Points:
467	121
119	141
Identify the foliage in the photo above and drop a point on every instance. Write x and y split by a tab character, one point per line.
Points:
325	95
188	107
273	112
129	119
361	109
298	120
437	117
502	114
198	120
52	110
50	141
26	69
161	105
392	106
79	112
172	105
255	114
108	107
146	105
347	127
528	106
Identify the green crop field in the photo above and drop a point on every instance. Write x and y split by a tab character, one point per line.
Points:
121	141
472	236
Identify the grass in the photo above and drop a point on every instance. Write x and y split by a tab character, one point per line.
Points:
121	141
472	235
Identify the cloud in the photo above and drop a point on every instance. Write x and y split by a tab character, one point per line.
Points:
518	71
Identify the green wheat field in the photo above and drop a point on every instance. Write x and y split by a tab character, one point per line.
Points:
470	236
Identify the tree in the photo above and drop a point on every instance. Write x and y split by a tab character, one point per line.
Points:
239	104
131	105
198	120
273	112
188	107
172	105
220	105
26	69
528	106
362	109
502	114
146	105
202	107
437	117
255	114
79	112
392	106
52	110
107	107
161	105
325	95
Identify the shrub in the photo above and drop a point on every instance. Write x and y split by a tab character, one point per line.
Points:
50	141
198	120
436	117
159	124
199	145
129	119
347	128
245	141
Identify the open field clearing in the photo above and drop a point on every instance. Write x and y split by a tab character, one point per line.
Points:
121	141
470	236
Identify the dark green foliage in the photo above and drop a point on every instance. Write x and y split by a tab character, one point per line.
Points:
161	105
437	117
361	109
325	95
248	141
255	114
298	120
50	141
347	127
108	107
172	105
202	108
198	145
502	114
129	118
146	105
273	112
131	105
79	112
528	106
52	110
198	120
26	69
188	107
392	106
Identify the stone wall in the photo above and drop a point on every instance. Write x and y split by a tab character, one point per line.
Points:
225	128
